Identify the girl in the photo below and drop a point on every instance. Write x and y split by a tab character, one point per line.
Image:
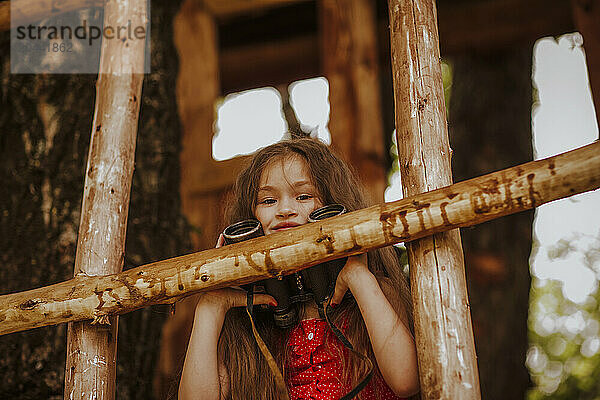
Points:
283	184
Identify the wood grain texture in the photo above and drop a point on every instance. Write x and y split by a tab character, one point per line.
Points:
203	180
92	349
227	9
351	65
443	328
463	204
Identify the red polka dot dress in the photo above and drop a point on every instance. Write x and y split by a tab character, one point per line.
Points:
315	370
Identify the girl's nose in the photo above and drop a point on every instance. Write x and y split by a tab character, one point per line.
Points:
286	209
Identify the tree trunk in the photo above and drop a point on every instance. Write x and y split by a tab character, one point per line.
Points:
490	129
45	123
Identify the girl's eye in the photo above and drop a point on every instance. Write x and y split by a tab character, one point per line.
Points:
267	201
304	197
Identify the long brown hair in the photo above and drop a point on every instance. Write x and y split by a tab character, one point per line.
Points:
249	374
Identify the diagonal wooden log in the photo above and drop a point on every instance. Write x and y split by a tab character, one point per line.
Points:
463	204
92	349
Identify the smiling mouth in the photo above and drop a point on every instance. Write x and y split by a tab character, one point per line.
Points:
283	227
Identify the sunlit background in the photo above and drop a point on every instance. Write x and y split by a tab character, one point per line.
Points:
565	262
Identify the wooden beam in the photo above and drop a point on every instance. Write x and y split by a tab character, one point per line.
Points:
587	18
92	349
4	16
217	176
463	204
443	329
351	65
30	11
464	27
203	179
231	8
487	25
35	10
270	63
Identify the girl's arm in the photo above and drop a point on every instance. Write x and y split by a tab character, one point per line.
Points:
200	376
203	375
392	342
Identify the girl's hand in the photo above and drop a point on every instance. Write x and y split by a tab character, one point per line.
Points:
391	340
220	241
354	269
221	300
224	299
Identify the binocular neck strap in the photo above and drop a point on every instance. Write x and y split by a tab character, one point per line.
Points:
281	387
279	381
338	333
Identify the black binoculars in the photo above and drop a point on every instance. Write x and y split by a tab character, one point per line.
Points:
316	282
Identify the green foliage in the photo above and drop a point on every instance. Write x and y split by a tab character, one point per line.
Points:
447	79
564	357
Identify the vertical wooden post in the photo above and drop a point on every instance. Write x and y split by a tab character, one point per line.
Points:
587	20
444	335
198	89
350	63
92	347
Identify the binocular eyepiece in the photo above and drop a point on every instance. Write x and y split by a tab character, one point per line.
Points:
243	230
316	282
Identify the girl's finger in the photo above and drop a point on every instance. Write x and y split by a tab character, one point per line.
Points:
220	241
239	298
264	299
338	294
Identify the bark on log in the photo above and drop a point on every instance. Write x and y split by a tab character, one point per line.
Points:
587	19
462	204
92	349
443	329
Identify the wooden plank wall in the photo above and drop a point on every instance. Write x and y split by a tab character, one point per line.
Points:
349	59
204	182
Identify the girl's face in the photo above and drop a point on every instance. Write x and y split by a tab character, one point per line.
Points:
286	195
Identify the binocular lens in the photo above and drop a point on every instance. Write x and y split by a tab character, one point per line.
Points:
322	277
284	314
243	230
331	210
